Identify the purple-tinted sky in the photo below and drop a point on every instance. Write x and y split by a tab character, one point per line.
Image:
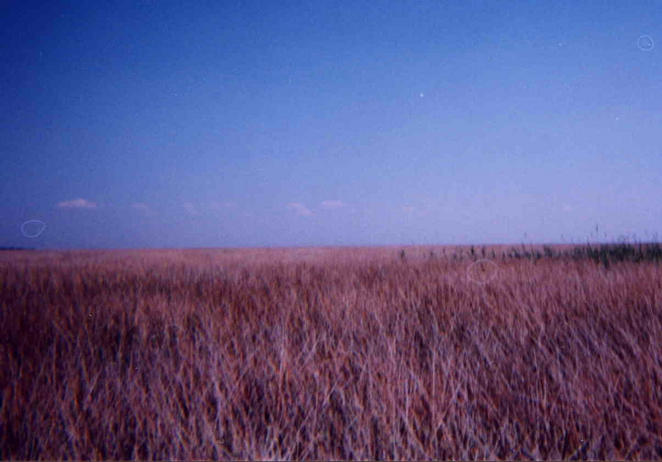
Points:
254	123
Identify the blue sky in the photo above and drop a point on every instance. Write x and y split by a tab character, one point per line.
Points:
252	123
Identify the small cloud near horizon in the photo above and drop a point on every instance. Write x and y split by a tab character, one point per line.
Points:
332	204
77	204
299	208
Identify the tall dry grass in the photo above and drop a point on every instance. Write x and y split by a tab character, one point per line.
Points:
327	353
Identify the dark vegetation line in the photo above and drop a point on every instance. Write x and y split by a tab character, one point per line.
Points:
606	254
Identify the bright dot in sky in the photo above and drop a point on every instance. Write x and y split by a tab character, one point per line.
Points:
421	95
645	43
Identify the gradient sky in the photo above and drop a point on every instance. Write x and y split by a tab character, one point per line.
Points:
257	123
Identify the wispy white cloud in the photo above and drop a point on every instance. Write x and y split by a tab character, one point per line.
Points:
332	204
77	204
299	208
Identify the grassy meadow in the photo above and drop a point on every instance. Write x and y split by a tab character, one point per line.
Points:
332	353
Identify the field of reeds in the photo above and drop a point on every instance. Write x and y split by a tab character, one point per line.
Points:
365	353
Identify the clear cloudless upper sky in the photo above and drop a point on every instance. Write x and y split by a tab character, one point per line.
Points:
295	123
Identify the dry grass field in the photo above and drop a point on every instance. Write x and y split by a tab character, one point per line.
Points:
348	353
